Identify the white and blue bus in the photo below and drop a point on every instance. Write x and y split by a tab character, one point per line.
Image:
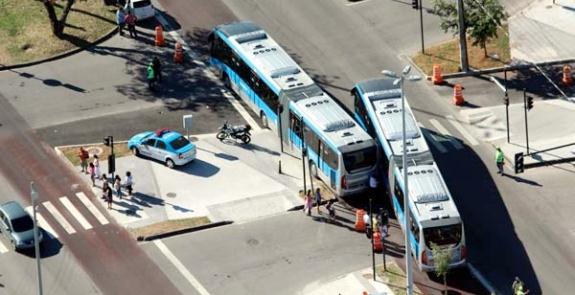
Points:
434	216
288	101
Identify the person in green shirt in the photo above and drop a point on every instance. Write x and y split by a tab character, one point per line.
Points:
151	76
499	160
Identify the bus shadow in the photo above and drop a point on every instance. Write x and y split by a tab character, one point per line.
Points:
493	245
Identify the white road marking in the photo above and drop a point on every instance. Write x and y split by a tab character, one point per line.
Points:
432	139
193	57
181	268
462	130
72	209
444	131
356	3
3	248
59	218
42	222
99	216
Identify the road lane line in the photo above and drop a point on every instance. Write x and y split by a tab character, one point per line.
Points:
72	209
42	223
356	3
444	131
3	248
99	216
59	218
181	268
432	139
462	130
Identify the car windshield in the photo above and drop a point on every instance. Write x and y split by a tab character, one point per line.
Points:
23	223
179	143
359	159
442	235
144	3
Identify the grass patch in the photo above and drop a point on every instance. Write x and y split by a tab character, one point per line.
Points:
168	226
447	55
394	278
26	33
71	153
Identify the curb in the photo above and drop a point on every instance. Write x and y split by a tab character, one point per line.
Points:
300	207
486	284
183	231
103	38
508	68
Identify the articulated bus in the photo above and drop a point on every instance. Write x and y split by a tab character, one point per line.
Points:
288	101
434	216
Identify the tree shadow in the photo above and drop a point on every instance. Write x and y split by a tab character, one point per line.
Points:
535	83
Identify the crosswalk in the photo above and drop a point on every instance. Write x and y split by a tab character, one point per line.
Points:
72	215
443	140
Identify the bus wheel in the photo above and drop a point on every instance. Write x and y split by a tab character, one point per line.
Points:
264	120
313	169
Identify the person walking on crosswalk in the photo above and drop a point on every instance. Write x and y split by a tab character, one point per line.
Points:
118	186
499	160
129	183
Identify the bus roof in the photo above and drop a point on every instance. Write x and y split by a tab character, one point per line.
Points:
385	99
334	123
270	59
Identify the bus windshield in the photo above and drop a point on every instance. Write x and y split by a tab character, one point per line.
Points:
442	235
359	159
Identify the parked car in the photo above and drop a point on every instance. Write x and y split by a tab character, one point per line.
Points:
163	145
142	9
17	226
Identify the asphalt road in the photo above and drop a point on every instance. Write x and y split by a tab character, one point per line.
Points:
339	44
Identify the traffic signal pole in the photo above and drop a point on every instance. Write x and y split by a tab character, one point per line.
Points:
506	104
421	25
526	127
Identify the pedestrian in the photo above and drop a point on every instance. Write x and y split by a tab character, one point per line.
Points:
157	65
373	183
318	200
517	286
109	196
120	20
331	209
130	20
150	76
104	178
96	163
129	183
84	156
384	223
92	172
118	186
499	160
367	222
105	187
308	203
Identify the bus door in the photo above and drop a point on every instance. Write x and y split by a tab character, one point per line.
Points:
323	151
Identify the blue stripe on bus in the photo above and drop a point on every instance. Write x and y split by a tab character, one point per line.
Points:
243	86
360	121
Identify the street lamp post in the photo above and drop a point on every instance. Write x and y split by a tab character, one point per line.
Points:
406	214
34	197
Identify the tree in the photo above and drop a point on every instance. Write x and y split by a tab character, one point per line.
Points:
482	18
58	25
441	260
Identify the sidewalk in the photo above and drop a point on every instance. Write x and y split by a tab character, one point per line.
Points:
354	283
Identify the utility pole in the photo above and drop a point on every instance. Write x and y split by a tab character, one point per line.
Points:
408	270
464	63
526	108
303	154
34	197
421	25
506	103
371	230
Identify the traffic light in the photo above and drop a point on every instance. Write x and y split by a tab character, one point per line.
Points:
107	141
519	168
529	102
111	163
506	100
415	4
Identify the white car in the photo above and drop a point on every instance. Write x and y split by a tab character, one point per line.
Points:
142	9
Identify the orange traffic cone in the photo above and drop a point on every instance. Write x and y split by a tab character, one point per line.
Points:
458	95
437	79
179	53
567	77
359	224
377	244
160	36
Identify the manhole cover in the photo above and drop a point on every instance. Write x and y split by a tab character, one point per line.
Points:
171	195
253	242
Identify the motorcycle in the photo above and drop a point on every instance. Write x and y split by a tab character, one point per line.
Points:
241	132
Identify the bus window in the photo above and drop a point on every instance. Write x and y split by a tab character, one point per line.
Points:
442	235
329	157
398	194
295	124
360	159
362	112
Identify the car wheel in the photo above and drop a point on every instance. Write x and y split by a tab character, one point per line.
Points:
135	151
170	163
